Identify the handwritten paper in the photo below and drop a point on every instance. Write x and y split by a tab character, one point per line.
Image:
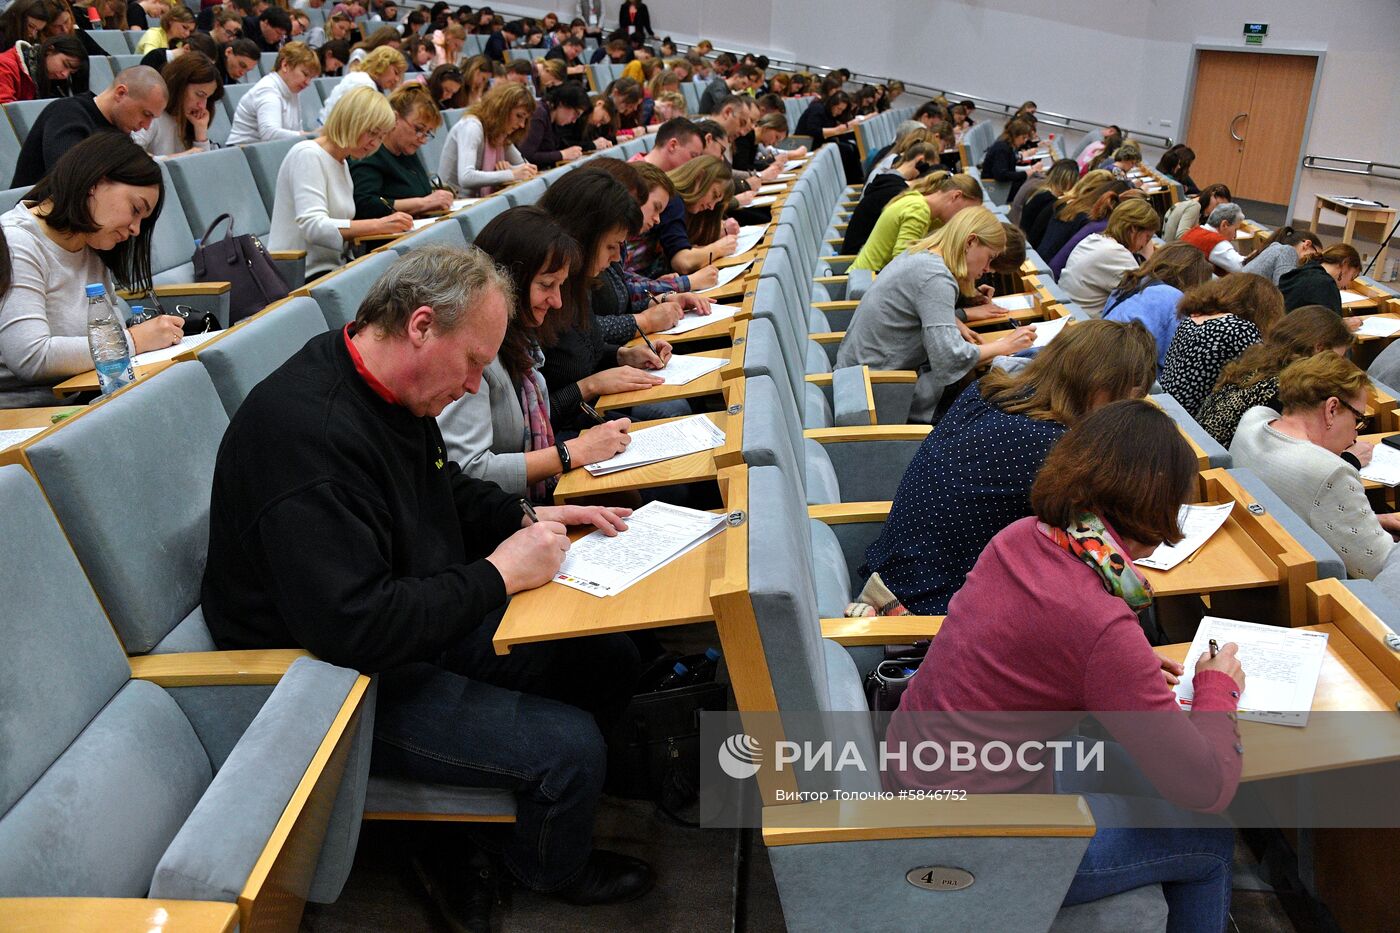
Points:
1350	297
693	320
169	353
727	275
770	189
460	203
1046	331
422	222
1198	523
657	533
765	201
1281	667
663	442
749	236
1384	467
1378	325
1015	302
16	436
680	369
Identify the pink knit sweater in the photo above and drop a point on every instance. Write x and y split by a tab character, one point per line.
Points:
1033	629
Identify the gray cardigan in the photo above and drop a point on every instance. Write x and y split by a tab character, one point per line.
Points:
907	320
485	432
1273	262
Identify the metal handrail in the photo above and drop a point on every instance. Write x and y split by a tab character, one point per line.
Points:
1368	167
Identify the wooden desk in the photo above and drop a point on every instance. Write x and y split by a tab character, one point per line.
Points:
13	419
708	384
692	468
1371	222
87	382
115	915
676	594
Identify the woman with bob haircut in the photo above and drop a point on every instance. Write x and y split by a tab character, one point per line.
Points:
272	109
1047	626
1320	280
90	220
380	70
1252	380
1101	260
1218	321
983	456
480	153
192	81
314	206
1151	292
1309	455
909	319
502	432
914	214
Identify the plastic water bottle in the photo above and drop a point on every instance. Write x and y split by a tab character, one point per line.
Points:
703	670
137	316
110	355
679	677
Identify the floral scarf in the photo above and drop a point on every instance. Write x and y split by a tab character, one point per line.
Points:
1088	540
539	433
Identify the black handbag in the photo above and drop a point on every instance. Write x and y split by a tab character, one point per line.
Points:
887	682
196	322
244	264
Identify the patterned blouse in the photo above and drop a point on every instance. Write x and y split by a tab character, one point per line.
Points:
1222	409
1199	351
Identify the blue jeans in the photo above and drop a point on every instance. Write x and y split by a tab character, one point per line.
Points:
530	722
1188	854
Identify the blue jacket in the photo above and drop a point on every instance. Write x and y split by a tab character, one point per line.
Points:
1155	306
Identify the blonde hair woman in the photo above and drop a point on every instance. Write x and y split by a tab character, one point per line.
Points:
314	207
909	319
380	70
929	202
478	72
1101	260
480	153
703	184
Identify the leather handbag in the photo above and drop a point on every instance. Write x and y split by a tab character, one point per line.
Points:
244	264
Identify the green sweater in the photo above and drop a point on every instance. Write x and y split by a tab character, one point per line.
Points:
904	221
385	175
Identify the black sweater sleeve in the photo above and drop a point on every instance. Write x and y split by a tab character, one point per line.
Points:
999	164
540	146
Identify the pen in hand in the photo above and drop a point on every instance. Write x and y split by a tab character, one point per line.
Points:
529	511
591	412
643	335
1214	647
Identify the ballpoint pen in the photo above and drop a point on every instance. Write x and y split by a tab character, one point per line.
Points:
529	511
592	412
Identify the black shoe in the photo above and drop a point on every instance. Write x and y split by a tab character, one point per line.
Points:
608	878
463	896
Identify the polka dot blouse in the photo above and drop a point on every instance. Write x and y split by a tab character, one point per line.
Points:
1198	353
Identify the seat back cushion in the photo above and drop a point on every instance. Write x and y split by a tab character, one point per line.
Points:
251	351
339	295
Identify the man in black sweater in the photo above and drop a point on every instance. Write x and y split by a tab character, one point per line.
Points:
136	97
338	525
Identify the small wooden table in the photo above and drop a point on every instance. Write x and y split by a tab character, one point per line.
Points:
1372	222
19	419
692	468
708	384
106	915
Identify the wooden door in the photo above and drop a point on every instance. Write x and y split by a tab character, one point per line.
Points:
1224	93
1274	132
1247	117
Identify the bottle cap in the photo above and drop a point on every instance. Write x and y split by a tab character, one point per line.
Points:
712	654
680	668
96	290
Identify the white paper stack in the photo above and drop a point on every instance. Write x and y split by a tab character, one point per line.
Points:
1198	523
422	222
663	442
1046	331
794	163
764	201
680	369
1378	326
1384	467
460	203
749	237
1350	297
16	436
1281	667
694	320
772	189
1015	302
169	353
656	534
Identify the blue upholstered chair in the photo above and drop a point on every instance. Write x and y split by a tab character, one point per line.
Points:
340	293
265	161
115	786
250	352
23	113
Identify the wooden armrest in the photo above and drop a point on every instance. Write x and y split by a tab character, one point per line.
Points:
841	258
287	255
183	288
108	914
975	815
850	513
869	432
378	238
881	630
215	668
894	377
844	305
818	379
830	279
835	336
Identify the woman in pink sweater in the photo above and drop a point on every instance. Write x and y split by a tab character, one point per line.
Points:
1046	628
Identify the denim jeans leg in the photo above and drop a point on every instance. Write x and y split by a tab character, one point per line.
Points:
440	727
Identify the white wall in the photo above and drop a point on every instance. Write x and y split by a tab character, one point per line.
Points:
1124	61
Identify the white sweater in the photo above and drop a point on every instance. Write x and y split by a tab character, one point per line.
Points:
1322	488
269	111
462	154
1094	269
315	200
352	79
43	316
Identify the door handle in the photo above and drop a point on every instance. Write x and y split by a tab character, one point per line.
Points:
1233	135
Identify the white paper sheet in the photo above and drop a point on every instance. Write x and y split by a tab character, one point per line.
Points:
1281	667
460	203
657	533
1014	302
680	368
1197	523
749	237
1384	467
1355	202
169	353
771	189
796	163
694	321
663	442
16	436
1378	326
765	201
727	275
1046	331
422	222
1350	297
